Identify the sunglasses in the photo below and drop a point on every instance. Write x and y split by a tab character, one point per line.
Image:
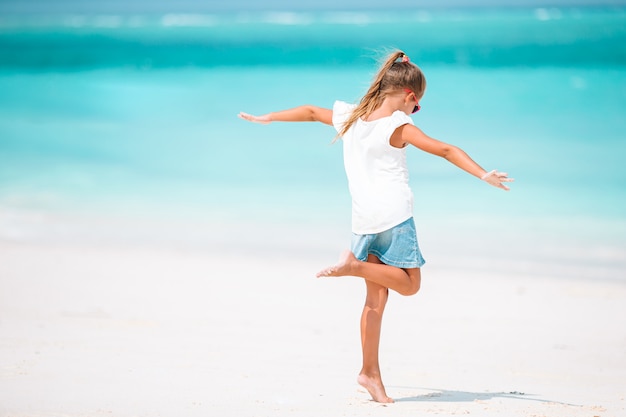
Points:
417	103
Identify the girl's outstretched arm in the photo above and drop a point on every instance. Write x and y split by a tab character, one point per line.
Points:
409	134
305	113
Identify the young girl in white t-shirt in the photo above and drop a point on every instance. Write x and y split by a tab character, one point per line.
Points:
384	249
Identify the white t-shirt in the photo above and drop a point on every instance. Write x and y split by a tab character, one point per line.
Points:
377	174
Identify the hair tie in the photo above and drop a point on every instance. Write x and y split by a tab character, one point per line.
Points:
405	58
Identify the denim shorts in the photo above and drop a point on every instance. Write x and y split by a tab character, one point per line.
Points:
396	246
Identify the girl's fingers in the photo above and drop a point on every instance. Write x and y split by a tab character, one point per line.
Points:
256	119
496	179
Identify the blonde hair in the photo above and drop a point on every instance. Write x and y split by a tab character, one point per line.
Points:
392	76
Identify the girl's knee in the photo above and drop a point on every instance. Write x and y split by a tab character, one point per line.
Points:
414	287
415	280
377	299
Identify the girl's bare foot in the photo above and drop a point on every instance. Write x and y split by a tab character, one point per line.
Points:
375	388
342	268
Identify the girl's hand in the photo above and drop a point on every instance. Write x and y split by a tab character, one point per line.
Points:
265	119
496	179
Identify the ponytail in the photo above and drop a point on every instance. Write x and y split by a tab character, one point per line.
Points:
392	76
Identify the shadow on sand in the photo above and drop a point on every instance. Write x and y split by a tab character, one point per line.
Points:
442	395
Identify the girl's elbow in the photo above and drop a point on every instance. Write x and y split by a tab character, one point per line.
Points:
319	114
448	151
311	113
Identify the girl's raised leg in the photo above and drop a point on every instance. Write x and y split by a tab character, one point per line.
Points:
404	281
371	321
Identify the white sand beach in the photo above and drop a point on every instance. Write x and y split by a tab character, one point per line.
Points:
158	254
102	329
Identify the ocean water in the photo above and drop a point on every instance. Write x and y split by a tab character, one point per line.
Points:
124	127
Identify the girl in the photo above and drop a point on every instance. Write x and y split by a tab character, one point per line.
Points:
384	250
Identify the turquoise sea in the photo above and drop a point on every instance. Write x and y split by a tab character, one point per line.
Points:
124	127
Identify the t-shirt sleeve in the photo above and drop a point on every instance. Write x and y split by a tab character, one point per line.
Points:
341	113
399	118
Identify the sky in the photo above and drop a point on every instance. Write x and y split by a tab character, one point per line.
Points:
156	6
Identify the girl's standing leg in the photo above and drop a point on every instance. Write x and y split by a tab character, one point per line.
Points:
371	321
